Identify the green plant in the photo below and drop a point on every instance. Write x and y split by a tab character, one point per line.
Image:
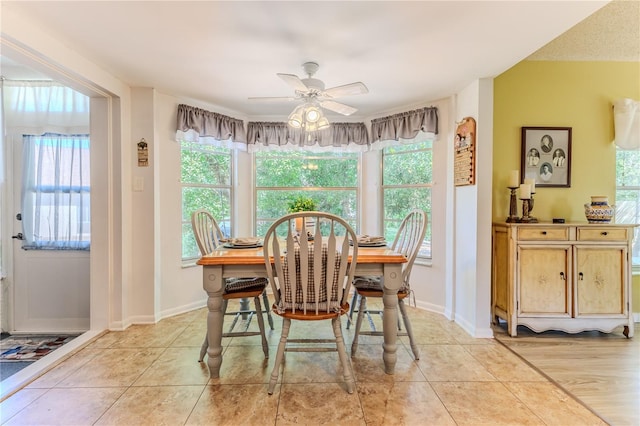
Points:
301	204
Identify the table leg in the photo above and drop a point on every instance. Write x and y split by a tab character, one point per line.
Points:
212	283
392	281
245	305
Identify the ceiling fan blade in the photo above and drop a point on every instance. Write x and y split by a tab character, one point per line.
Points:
273	99
357	88
338	107
294	81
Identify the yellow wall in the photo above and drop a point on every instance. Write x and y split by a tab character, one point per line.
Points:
562	94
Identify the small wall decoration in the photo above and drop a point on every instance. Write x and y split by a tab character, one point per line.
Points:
143	153
465	152
546	156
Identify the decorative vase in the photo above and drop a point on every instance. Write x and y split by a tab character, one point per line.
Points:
310	226
599	211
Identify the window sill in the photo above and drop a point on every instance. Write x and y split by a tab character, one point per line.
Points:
189	263
423	261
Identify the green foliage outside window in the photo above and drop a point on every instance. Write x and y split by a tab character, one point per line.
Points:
329	179
406	184
206	184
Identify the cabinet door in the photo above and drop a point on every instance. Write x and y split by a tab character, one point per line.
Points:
501	270
543	281
599	277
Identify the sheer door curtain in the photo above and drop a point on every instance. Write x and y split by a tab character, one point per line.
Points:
50	124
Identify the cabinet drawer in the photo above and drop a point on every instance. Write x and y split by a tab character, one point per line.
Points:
541	233
602	234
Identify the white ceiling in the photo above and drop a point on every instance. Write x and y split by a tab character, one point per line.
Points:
407	53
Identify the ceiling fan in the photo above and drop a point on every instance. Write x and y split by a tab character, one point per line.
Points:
312	90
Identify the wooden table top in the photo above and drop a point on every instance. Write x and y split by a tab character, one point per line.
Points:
255	256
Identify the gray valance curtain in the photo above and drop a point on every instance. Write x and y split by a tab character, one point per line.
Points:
198	125
405	125
278	135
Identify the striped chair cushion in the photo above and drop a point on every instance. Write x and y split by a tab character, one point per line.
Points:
235	285
321	296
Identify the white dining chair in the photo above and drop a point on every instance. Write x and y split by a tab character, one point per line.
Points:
208	237
408	241
310	279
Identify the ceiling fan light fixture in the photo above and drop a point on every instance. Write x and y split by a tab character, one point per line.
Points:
323	123
308	117
296	118
311	127
312	114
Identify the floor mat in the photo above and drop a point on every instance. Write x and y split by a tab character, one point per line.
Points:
30	348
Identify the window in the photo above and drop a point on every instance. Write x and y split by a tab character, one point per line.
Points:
406	184
628	195
206	184
56	210
330	178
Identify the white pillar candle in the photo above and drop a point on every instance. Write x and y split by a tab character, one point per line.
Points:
532	183
514	179
525	191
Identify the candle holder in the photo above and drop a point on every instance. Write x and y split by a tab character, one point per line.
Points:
531	218
525	211
513	205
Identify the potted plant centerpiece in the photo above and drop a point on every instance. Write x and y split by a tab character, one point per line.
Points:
303	203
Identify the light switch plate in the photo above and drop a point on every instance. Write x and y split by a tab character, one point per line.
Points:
138	183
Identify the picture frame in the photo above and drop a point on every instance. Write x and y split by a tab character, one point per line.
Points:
546	156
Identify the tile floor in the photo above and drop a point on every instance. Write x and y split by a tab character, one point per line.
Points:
149	375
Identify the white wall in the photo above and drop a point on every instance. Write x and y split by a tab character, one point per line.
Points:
144	293
472	229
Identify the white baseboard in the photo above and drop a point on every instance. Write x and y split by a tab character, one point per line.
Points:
183	309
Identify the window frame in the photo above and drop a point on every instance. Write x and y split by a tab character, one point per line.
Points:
185	220
420	138
309	155
635	188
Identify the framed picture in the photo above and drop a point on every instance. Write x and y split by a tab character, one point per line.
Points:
546	156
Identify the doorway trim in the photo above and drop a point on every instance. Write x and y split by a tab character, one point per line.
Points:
106	265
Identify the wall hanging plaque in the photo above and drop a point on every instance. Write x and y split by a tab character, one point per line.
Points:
143	153
465	152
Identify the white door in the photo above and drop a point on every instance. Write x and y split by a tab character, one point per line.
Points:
48	289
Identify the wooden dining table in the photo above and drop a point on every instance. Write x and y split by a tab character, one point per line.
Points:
225	263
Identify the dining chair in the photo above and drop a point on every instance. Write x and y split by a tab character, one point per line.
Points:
310	279
407	241
208	237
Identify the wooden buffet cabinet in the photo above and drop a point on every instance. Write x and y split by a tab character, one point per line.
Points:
568	277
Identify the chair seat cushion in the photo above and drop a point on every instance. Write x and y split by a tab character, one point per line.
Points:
374	283
234	285
368	283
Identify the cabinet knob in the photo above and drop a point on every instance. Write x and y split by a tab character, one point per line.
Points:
605	233
562	276
544	232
